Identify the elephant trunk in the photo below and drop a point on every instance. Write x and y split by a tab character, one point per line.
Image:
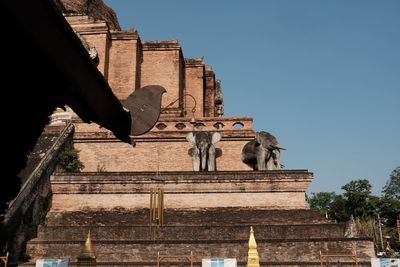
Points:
203	155
211	158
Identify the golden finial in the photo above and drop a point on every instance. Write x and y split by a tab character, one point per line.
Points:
253	260
87	257
88	249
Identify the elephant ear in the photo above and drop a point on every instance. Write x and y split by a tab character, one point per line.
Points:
191	138
215	138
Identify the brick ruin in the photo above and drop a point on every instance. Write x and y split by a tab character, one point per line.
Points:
208	214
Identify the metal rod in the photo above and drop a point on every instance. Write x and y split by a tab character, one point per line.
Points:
380	232
159	207
151	206
162	207
155	206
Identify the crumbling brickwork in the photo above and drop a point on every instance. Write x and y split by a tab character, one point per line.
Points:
96	9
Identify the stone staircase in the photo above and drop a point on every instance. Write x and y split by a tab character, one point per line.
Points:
29	208
122	236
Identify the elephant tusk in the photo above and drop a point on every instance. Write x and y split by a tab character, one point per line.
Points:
277	147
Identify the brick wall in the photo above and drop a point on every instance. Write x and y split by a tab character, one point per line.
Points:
275	200
96	34
153	155
183	190
164	150
123	74
128	64
161	66
195	79
101	42
271	253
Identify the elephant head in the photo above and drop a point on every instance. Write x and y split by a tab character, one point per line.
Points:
262	153
203	151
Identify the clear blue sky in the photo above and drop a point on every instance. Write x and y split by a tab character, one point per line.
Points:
322	76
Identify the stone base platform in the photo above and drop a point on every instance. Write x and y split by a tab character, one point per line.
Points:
206	214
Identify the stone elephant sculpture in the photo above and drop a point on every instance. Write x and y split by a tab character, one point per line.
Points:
203	152
262	153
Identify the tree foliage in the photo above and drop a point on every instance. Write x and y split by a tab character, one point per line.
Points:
357	194
358	201
338	210
321	201
392	187
69	160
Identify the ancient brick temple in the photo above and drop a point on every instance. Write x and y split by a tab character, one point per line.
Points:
202	214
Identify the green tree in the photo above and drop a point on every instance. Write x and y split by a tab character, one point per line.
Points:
392	187
389	210
389	207
321	201
357	200
338	210
357	194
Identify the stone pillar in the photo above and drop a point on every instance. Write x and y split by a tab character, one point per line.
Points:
219	101
163	65
194	85
209	98
124	67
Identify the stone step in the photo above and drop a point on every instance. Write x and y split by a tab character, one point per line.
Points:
176	217
185	233
269	250
184	262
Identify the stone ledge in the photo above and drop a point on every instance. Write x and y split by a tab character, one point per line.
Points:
157	45
239	263
90	27
197	241
182	175
182	182
125	35
230	127
194	62
192	183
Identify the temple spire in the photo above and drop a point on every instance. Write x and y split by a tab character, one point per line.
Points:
253	260
87	257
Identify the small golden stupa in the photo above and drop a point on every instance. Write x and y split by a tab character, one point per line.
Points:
253	260
87	257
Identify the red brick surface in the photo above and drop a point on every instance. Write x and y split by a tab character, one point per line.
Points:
162	67
195	85
122	75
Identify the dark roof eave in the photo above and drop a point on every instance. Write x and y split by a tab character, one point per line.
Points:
88	93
